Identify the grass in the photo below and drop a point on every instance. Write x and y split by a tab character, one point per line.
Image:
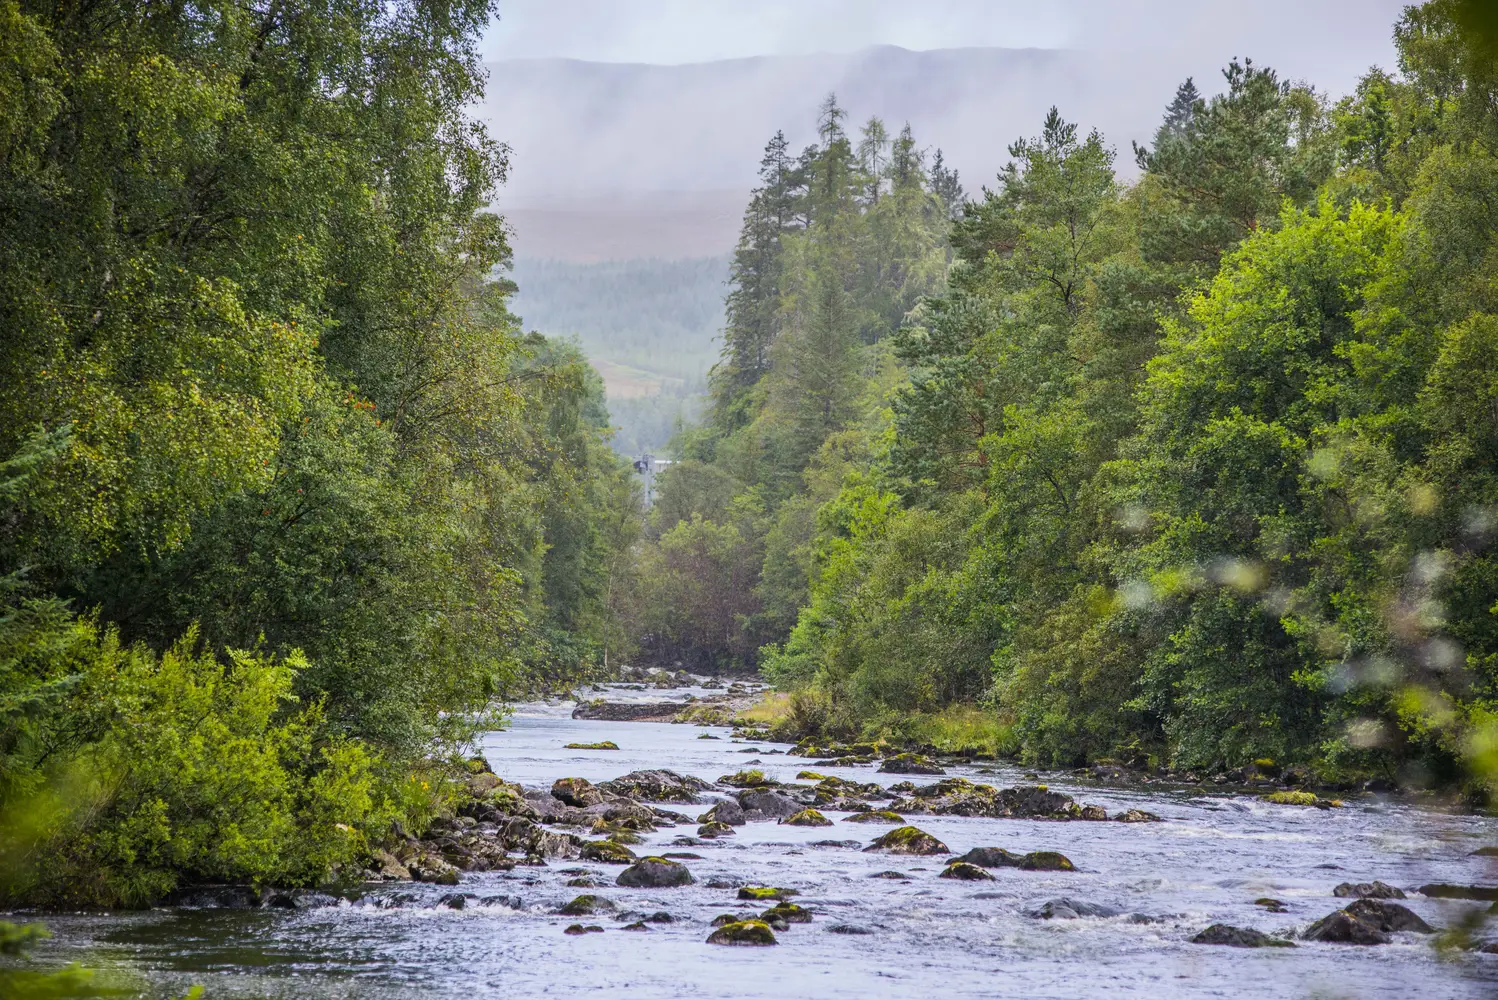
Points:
961	727
770	709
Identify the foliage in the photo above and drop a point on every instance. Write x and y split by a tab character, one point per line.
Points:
281	475
1194	470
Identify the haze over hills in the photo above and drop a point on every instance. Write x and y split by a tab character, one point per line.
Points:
614	160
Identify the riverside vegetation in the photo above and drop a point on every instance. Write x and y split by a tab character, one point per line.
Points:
1195	470
288	500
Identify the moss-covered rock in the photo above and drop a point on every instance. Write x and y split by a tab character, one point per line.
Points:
601	745
1367	890
908	840
964	872
910	763
791	913
723	919
876	816
607	852
1297	798
750	933
810	776
1046	861
807	817
710	831
1136	816
655	873
575	929
761	892
753	778
578	792
586	906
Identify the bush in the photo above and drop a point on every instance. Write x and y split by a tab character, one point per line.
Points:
124	773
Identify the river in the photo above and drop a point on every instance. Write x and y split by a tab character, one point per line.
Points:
1208	861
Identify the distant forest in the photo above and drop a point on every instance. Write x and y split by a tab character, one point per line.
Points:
660	317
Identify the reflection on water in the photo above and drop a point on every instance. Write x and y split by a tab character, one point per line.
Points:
1212	858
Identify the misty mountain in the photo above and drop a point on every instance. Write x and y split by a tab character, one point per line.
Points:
616	160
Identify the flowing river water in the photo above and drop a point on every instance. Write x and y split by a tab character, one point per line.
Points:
1208	861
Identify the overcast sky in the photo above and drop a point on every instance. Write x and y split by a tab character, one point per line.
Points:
1289	33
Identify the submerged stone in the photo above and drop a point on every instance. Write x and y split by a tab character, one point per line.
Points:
601	745
1239	937
586	906
1367	890
575	929
876	816
766	892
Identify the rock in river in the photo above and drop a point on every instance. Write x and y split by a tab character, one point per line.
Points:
586	906
607	852
657	786
766	803
1367	921
908	840
743	932
1066	908
655	873
965	872
876	816
910	763
578	792
1239	937
1035	861
728	811
807	817
1367	890
757	892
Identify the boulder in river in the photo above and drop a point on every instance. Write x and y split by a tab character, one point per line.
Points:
1066	908
1387	916
743	933
910	763
1035	861
576	929
807	817
627	711
877	816
1136	816
791	913
767	803
427	867
577	792
600	745
753	778
908	840
1342	927
1239	937
658	785
586	906
711	831
1485	852
655	873
759	892
1438	890
728	811
964	872
606	851
1367	890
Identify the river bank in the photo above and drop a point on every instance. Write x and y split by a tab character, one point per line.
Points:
1208	861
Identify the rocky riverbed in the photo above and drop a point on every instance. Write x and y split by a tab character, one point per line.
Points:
690	863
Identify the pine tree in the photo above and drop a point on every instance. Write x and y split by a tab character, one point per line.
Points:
947	186
873	157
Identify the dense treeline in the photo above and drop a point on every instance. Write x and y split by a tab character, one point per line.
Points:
1197	469
839	243
286	498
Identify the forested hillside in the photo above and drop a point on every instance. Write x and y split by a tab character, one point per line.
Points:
286	498
649	325
1197	469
